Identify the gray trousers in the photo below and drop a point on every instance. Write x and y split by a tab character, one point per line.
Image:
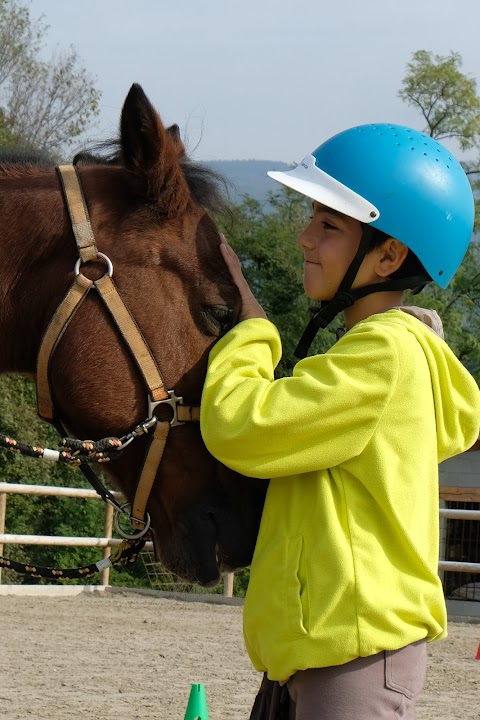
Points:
380	687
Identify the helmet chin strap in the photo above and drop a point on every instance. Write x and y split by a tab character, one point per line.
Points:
345	296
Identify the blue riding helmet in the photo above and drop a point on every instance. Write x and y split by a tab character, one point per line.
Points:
398	180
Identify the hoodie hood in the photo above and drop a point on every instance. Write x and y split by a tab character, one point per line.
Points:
455	391
430	318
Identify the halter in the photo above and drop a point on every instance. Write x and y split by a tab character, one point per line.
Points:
125	323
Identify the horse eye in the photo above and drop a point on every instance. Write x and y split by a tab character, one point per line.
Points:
219	318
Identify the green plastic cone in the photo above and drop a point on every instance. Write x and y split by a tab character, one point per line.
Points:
197	703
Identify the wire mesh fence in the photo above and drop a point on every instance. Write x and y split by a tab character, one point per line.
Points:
160	578
460	540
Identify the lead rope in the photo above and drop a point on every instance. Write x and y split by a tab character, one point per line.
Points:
126	553
76	452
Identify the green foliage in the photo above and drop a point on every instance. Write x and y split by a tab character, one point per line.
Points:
43	104
42	515
7	136
446	98
240	582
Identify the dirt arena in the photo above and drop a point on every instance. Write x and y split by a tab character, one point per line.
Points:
133	657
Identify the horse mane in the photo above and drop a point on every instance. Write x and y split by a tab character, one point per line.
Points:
208	188
25	158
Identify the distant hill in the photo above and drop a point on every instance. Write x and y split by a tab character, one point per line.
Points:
248	177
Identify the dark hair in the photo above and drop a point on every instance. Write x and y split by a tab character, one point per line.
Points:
209	188
411	266
24	155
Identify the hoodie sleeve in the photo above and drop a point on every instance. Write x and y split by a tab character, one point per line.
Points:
320	417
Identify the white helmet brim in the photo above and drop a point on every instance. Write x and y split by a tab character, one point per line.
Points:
309	180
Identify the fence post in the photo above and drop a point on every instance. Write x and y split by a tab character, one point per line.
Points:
3	507
107	532
228	585
443	542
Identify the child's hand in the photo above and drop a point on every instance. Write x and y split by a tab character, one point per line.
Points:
250	307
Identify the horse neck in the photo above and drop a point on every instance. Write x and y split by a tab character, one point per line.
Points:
33	226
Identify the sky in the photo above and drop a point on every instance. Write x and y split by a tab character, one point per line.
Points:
259	79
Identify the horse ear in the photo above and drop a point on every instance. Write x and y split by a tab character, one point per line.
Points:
151	153
174	132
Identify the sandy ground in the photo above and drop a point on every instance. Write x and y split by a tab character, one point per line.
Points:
131	657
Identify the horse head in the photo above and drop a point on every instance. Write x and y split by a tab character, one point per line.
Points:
149	210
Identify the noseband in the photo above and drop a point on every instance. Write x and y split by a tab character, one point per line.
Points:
157	393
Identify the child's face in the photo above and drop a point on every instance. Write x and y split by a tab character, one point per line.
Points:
329	244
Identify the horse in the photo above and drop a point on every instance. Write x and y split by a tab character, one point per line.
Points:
150	210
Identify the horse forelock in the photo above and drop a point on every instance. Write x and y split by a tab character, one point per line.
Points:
208	188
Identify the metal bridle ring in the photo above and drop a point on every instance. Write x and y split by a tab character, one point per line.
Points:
132	535
101	256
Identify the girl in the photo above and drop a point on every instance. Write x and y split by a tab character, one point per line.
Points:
344	591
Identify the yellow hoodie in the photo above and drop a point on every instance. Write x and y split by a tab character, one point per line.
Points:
347	553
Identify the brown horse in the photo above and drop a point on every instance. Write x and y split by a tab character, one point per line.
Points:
148	211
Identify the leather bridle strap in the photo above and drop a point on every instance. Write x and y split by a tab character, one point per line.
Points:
132	336
108	292
188	413
77	209
129	330
57	326
147	476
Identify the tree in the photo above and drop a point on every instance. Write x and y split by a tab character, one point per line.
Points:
448	103
446	98
43	104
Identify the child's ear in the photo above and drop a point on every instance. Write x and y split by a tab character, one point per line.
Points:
391	256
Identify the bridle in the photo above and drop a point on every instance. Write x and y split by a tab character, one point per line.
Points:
157	393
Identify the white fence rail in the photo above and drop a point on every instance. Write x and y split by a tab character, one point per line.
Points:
107	541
